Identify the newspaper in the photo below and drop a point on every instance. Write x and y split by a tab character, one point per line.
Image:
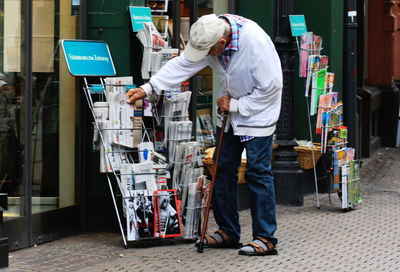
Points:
162	57
152	43
179	131
126	131
194	206
137	176
185	159
117	84
110	155
100	110
143	174
175	108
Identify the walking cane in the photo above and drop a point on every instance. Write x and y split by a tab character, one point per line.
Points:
214	175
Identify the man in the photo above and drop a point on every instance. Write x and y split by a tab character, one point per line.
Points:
250	74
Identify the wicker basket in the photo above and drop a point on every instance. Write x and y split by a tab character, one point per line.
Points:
305	156
209	164
209	167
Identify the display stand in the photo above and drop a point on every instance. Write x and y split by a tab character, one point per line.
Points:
128	158
93	59
337	159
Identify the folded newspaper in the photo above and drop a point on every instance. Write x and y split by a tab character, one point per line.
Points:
152	44
137	176
175	108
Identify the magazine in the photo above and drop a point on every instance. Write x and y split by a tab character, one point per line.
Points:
158	5
167	219
140	215
354	186
194	207
161	24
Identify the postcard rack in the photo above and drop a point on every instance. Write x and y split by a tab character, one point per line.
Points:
341	169
153	207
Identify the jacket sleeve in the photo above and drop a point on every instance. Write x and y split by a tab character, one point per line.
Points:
265	68
173	73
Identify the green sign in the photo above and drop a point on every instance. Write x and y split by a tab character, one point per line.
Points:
297	25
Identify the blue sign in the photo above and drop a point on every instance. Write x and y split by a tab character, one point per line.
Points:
88	58
139	15
96	88
297	25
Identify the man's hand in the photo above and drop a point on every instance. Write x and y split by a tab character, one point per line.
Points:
135	94
224	103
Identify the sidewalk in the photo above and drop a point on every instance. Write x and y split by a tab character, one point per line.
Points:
310	239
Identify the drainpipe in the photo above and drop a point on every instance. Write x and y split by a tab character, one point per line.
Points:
350	72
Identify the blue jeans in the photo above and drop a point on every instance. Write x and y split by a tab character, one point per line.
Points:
259	180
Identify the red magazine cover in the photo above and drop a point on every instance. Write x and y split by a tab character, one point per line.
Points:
167	220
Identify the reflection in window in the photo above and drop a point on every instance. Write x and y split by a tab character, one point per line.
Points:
51	87
11	110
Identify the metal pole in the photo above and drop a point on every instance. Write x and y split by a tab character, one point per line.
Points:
176	17
313	154
194	83
27	173
350	71
116	211
81	163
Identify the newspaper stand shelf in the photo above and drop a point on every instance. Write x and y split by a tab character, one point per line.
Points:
148	212
122	155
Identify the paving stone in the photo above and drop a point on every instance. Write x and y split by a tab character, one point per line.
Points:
310	239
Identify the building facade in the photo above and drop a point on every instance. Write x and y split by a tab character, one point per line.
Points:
48	168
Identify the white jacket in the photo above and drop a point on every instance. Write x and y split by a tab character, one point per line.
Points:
253	78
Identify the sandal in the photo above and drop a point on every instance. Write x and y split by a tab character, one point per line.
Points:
211	242
259	250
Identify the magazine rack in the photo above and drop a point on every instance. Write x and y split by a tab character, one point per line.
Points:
339	165
138	173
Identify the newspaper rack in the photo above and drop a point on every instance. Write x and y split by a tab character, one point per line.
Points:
152	209
141	206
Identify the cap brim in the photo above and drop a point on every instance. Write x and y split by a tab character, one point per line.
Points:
194	54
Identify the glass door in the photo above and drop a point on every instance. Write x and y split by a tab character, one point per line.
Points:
54	208
37	121
12	121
